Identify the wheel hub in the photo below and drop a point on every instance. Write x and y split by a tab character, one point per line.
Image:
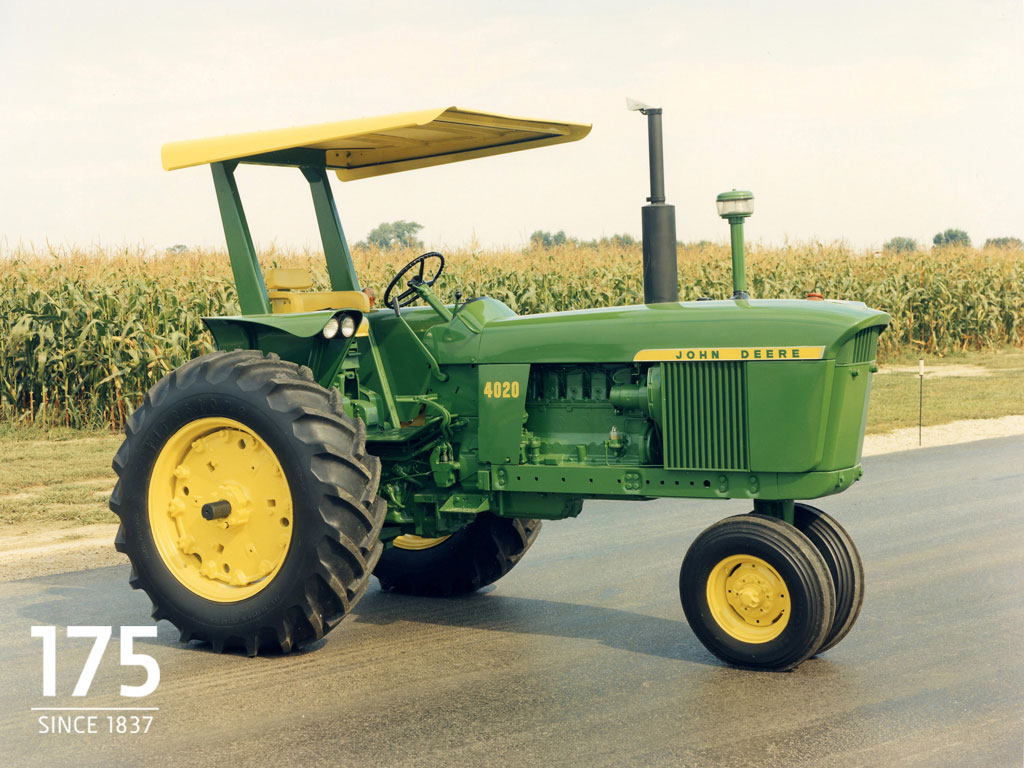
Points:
750	593
206	464
748	598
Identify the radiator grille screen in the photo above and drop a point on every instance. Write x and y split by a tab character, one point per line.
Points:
865	344
705	415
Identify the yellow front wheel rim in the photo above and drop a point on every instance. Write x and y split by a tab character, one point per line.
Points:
211	461
748	599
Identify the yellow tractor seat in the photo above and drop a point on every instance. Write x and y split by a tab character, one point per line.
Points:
288	291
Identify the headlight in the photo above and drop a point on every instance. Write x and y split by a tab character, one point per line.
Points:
348	326
331	329
737	203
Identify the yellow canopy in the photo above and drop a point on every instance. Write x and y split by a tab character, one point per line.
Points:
374	146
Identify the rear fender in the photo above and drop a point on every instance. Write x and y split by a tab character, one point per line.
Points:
295	337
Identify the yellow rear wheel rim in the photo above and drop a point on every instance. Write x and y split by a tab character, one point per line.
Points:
231	558
414	542
748	599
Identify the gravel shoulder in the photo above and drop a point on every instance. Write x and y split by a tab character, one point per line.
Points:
43	549
40	549
963	431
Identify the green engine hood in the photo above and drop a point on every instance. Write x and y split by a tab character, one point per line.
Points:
619	334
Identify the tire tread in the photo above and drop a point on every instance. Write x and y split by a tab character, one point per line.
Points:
346	485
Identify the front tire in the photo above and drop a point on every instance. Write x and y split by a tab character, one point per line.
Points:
248	504
844	565
757	593
469	559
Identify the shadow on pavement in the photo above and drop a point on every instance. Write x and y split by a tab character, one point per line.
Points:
487	610
86	598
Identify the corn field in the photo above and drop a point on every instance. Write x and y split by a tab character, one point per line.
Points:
83	334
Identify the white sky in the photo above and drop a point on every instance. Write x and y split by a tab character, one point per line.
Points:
858	120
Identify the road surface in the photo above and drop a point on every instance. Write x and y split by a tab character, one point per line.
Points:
581	655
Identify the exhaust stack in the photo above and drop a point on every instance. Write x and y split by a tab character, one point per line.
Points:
661	274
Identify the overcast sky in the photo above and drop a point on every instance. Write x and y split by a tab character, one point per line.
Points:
856	121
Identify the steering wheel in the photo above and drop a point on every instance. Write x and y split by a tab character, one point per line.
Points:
409	295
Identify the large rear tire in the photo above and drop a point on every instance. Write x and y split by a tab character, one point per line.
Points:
478	555
248	503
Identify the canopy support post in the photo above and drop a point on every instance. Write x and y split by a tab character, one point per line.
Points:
252	293
339	259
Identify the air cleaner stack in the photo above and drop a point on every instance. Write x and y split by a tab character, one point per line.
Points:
661	274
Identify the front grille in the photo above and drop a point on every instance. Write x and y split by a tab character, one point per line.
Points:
865	344
705	415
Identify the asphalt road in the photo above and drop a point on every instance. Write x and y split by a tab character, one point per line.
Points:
581	655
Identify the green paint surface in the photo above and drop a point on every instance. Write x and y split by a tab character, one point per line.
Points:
474	408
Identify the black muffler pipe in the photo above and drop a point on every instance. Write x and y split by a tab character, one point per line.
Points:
661	274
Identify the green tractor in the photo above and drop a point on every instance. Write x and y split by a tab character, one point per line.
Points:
327	441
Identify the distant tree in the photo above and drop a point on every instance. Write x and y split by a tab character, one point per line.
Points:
393	234
952	237
540	239
543	239
615	241
900	245
1004	242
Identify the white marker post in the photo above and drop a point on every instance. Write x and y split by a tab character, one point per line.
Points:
920	404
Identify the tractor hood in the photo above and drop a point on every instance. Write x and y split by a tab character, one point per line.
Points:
743	329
